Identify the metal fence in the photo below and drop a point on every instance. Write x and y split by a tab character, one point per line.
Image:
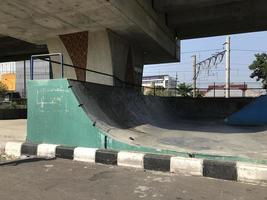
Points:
212	90
207	92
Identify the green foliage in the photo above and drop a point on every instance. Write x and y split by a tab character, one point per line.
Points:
3	89
157	91
259	68
13	105
185	90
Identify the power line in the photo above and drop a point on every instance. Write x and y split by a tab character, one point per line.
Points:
200	51
249	50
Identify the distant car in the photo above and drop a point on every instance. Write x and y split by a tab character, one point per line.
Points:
10	96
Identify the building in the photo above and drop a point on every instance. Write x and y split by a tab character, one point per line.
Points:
164	81
15	74
237	90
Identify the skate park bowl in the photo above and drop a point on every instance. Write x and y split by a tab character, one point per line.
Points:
82	114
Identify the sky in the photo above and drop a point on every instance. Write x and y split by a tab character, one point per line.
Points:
243	49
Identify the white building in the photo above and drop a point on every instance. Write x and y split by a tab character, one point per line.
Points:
164	81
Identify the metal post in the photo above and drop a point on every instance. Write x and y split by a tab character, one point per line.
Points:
244	89
214	89
228	67
194	60
24	78
31	68
176	80
62	65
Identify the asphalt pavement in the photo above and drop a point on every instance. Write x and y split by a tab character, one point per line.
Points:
69	180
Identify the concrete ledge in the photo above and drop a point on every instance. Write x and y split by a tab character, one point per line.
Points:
234	171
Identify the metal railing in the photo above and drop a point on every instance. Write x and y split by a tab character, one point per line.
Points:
46	58
203	92
155	91
40	56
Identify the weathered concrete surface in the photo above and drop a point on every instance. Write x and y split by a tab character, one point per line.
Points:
13	130
195	126
155	25
102	51
37	21
69	180
203	18
12	49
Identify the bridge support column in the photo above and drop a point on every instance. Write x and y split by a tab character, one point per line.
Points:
102	51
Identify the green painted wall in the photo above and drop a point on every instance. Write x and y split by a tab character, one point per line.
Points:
54	116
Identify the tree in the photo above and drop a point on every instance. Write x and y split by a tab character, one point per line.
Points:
259	68
157	91
185	90
3	89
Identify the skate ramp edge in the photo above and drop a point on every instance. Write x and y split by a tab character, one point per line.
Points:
56	116
254	114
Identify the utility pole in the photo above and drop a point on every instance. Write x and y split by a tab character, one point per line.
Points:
24	79
194	61
176	80
228	67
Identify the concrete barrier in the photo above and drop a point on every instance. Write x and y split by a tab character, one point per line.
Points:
233	171
13	114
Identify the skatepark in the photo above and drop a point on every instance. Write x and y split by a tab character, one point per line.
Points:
93	46
75	113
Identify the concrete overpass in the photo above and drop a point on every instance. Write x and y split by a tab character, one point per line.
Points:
119	36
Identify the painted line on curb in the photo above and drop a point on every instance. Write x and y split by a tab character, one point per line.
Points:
65	152
187	166
29	149
13	149
157	162
108	157
84	154
220	170
131	159
233	171
48	150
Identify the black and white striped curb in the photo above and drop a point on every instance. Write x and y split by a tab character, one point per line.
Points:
234	171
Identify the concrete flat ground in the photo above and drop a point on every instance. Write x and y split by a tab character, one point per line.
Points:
68	180
202	137
205	137
13	130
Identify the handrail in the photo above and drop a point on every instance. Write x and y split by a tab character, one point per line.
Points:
33	57
43	57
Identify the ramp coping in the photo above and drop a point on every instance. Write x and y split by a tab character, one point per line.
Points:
225	170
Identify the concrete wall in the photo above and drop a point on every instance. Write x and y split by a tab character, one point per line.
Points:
104	52
55	45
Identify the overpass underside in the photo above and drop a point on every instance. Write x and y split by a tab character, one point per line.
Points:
117	37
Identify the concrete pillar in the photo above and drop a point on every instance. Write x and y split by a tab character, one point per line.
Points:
102	51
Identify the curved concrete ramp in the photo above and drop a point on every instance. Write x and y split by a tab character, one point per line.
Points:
76	113
254	114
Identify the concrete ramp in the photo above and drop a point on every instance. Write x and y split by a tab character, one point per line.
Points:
254	114
74	113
